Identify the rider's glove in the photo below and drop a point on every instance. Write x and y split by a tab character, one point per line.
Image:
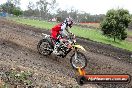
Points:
71	34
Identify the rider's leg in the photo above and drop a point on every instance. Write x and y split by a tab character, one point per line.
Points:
56	46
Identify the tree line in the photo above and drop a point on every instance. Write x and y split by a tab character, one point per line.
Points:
11	7
46	9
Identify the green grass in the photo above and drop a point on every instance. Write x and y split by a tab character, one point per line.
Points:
92	34
96	35
36	23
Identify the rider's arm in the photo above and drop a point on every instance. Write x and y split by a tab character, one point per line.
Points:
64	29
68	30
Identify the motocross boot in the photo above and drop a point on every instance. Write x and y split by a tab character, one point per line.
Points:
56	49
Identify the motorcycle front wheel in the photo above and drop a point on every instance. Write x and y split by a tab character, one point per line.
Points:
78	60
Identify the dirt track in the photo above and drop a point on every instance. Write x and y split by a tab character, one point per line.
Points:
18	48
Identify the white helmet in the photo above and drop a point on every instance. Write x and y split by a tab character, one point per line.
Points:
69	21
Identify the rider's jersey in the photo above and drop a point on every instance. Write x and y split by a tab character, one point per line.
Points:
59	29
64	29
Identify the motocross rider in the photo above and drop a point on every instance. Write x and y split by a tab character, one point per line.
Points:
61	29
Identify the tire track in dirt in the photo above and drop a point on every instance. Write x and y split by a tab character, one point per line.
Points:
98	64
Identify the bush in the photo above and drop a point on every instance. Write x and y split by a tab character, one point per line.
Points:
17	12
115	23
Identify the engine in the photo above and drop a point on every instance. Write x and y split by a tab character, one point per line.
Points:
63	50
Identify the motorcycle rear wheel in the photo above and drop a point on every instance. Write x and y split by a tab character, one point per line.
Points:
44	47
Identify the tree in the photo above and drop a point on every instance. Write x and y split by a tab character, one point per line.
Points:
11	8
30	11
115	23
7	7
73	14
15	2
61	15
53	5
45	6
17	11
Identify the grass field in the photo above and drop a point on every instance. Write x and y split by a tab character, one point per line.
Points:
94	25
92	34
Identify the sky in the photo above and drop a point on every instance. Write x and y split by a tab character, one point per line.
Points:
89	6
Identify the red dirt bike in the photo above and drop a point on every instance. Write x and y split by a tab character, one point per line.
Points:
77	60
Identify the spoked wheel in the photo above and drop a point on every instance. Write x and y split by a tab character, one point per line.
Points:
78	60
44	47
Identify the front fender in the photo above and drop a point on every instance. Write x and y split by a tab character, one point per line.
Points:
79	46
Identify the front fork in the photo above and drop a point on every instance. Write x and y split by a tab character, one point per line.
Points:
75	53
